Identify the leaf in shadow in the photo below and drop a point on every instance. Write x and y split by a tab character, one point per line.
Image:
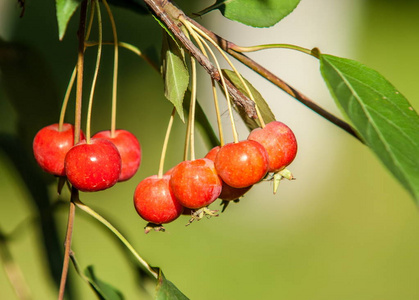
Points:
166	290
264	108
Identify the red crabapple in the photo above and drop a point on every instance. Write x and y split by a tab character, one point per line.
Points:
129	148
195	183
279	142
93	167
242	164
51	145
228	192
155	201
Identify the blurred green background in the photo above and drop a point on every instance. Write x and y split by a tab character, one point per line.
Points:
345	229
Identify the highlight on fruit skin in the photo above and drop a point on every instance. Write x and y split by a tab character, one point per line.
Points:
93	167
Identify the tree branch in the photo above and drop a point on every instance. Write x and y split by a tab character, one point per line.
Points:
169	14
232	49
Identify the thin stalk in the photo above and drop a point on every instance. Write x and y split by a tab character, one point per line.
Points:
77	129
66	98
253	65
96	72
230	110
105	222
166	142
115	69
214	92
193	105
217	112
67	243
204	35
272	46
80	71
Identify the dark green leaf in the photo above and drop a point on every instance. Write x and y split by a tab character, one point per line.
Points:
103	290
166	290
381	115
175	73
264	109
65	10
256	13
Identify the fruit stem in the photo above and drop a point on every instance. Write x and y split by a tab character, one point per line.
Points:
80	65
214	91
248	91
272	46
230	111
193	105
92	90
67	243
166	142
115	69
115	231
66	97
217	112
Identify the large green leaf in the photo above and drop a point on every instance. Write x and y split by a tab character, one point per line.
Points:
257	13
381	115
102	289
264	109
166	290
175	73
65	10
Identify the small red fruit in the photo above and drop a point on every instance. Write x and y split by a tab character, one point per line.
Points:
242	164
50	147
129	148
195	183
155	201
280	144
93	167
228	193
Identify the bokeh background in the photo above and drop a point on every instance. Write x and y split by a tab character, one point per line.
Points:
345	229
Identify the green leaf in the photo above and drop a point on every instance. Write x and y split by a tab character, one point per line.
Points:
166	290
256	13
65	10
264	109
381	115
175	73
103	290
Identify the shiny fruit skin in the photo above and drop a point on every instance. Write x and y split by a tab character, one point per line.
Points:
129	148
242	164
228	192
50	147
280	143
195	183
155	202
93	167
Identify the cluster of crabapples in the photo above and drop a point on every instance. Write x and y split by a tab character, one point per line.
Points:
89	166
226	173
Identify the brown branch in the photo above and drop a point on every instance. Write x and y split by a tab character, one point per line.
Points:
231	49
169	15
